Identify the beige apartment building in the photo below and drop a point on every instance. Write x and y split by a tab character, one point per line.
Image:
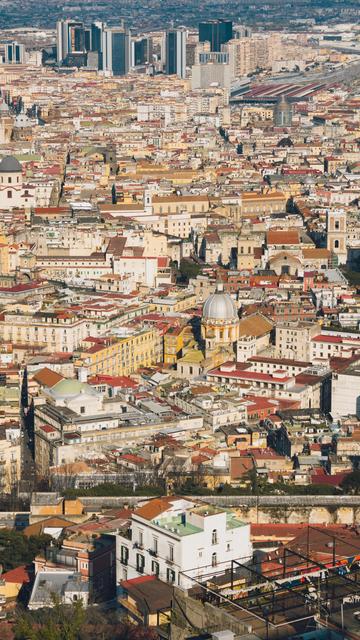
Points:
10	465
59	331
293	340
178	204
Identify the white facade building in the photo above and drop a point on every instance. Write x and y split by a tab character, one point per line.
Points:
345	391
13	194
178	539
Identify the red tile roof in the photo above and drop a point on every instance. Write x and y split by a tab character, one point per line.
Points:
20	575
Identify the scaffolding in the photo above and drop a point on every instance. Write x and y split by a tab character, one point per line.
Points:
292	590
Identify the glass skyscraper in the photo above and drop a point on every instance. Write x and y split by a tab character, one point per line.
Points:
217	32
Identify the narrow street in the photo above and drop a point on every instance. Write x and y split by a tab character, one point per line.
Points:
27	481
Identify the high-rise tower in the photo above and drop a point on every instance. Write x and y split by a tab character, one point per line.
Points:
116	51
217	32
176	52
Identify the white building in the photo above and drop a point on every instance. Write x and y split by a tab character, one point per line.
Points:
13	194
345	391
178	539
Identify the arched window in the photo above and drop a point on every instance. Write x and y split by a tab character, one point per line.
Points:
336	244
214	537
213	560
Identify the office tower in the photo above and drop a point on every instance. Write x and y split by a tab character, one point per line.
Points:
116	51
217	32
141	51
70	38
14	53
97	29
87	39
283	113
176	52
96	41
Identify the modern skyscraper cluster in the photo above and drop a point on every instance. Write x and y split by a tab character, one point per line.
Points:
107	48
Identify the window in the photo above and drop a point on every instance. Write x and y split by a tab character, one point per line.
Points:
228	546
336	244
170	576
155	568
9	194
140	563
82	409
337	225
155	545
213	560
141	538
9	180
171	553
124	555
214	538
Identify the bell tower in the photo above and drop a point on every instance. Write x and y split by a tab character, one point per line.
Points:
336	235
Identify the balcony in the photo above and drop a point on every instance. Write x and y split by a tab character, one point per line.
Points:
124	602
138	545
153	553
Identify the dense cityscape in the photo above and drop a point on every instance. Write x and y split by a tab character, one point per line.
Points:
180	321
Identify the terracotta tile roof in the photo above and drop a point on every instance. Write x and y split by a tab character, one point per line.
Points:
52	523
20	575
255	325
47	378
316	253
240	466
155	507
283	237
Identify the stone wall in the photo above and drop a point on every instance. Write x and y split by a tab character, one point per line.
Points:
265	509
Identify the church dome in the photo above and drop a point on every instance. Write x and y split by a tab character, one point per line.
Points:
220	306
70	388
9	164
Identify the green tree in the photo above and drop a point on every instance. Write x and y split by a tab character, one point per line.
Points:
17	549
351	483
73	622
189	269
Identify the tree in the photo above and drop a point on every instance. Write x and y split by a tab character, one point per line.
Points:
189	269
351	483
73	622
17	549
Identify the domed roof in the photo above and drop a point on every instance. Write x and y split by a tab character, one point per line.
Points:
70	388
9	164
219	306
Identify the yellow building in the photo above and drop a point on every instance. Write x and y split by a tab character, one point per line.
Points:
179	302
11	583
4	256
263	203
177	204
173	344
120	356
